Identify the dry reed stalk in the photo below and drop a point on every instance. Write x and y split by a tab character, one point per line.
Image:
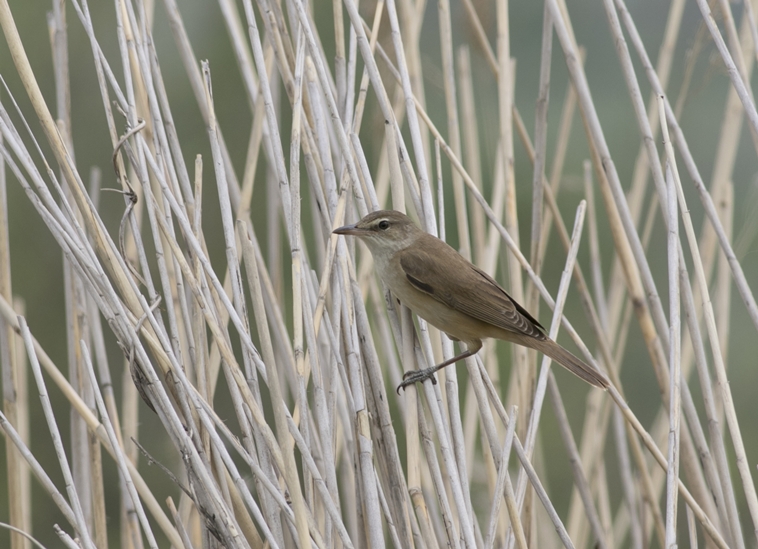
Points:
15	401
57	441
675	336
504	486
540	154
734	65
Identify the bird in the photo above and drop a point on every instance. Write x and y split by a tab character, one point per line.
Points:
439	285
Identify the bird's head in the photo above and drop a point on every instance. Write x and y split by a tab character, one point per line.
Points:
384	231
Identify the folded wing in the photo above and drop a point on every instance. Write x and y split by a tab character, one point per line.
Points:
470	291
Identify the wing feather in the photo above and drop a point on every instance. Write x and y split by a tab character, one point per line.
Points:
454	281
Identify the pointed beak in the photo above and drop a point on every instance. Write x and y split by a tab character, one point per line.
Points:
349	230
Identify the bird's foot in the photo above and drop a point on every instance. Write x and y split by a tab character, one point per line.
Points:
417	376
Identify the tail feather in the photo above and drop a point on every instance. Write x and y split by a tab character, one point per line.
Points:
573	364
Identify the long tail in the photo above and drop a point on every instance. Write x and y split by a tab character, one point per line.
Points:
570	362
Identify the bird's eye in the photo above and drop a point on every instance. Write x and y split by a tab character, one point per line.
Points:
384	224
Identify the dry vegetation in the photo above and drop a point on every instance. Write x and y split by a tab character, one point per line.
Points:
271	375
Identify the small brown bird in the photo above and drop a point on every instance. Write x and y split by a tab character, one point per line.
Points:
449	292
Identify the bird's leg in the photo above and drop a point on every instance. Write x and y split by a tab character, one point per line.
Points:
415	376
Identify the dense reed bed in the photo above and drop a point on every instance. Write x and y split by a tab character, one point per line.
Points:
265	350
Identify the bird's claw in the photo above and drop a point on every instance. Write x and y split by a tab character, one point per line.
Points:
416	376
